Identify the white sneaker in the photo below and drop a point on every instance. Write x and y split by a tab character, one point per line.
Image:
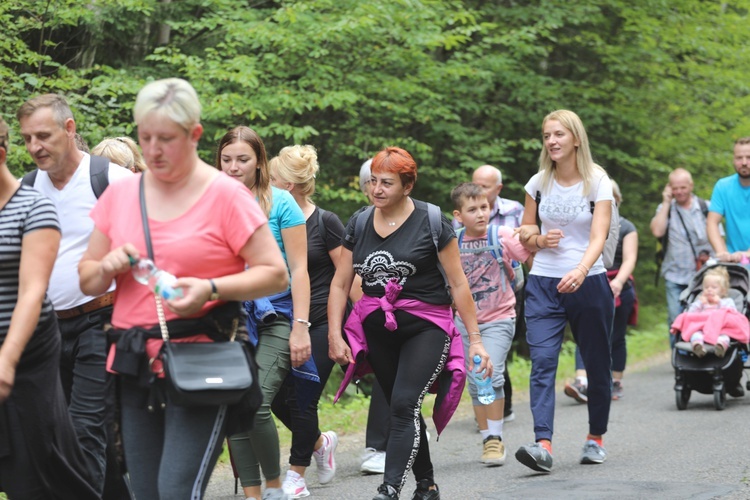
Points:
294	485
373	462
324	457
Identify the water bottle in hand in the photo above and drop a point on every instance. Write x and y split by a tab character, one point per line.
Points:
485	391
159	281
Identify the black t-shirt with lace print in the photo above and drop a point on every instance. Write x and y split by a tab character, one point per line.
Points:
408	254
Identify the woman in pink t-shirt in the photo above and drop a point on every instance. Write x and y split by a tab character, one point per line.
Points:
207	230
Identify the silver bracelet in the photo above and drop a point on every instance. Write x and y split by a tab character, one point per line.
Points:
304	322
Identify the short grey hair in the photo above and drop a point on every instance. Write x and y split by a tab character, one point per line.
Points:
173	98
365	174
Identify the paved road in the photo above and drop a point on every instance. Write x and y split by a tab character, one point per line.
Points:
655	452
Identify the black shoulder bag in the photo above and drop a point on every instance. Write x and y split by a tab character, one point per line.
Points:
200	373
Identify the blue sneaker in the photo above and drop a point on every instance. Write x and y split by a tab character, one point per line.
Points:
593	453
535	456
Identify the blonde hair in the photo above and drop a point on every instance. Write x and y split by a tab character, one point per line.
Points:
298	165
173	98
616	192
721	275
121	150
584	161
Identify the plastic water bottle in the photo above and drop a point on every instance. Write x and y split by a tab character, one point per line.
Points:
485	391
161	282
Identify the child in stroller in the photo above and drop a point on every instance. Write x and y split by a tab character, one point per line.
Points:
701	366
707	312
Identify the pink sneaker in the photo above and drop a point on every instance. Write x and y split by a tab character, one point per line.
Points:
294	485
324	457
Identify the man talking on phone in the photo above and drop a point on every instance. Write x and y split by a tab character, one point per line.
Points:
680	224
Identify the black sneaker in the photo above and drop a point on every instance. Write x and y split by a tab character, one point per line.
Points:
423	491
736	392
386	492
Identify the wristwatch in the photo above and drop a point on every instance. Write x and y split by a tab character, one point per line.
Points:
214	292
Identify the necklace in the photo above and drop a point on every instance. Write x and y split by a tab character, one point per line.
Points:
390	223
393	223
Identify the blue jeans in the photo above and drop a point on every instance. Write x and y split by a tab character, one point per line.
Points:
171	452
497	338
86	385
673	305
590	312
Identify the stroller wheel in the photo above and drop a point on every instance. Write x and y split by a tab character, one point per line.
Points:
720	399
682	396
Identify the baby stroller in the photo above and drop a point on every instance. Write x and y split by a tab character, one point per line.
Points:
713	374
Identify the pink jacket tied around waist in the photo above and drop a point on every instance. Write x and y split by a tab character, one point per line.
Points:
448	386
713	323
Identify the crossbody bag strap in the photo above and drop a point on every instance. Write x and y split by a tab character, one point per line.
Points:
150	250
687	232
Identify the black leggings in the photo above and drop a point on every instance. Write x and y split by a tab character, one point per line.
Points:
304	424
406	362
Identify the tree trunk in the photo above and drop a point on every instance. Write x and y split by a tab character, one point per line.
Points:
164	30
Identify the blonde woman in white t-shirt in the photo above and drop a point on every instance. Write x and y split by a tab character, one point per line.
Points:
568	282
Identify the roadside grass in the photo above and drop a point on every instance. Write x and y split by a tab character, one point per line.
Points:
348	416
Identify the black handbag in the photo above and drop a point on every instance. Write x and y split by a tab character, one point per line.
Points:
200	373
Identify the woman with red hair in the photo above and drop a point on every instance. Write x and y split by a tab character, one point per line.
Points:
402	328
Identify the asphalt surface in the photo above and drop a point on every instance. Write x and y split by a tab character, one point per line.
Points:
655	452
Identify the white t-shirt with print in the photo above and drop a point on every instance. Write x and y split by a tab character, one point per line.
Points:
566	208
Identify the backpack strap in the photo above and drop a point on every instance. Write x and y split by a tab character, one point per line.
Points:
321	225
703	205
436	224
496	248
359	224
29	178
434	217
99	170
538	200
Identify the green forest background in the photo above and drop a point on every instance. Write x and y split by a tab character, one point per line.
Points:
658	83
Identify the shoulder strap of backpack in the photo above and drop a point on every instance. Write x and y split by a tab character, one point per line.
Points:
496	249
359	224
434	217
99	170
704	206
460	235
436	224
29	178
321	224
538	200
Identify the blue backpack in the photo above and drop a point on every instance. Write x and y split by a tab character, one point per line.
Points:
513	274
